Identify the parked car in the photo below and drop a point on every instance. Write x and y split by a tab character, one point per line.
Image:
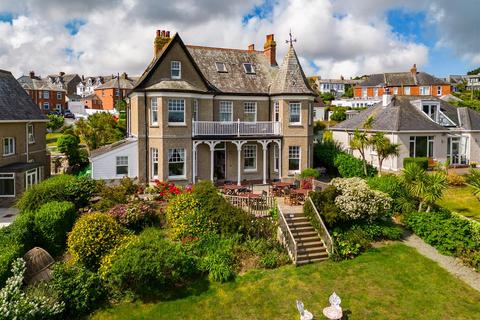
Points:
68	114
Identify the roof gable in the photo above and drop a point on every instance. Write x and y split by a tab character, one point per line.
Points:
155	73
290	78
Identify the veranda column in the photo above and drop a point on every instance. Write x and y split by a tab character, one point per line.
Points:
212	145
264	144
194	161
239	145
279	143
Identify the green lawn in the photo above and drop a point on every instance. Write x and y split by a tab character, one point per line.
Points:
392	282
461	200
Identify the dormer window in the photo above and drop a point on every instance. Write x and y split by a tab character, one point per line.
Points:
176	70
431	111
248	67
221	67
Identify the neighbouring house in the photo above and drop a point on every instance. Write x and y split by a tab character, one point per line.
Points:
68	82
124	155
335	86
473	82
46	95
204	113
91	101
356	103
75	105
114	90
24	158
456	81
424	126
87	85
412	83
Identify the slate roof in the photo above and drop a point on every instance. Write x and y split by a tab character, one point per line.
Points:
125	83
235	80
36	83
399	79
402	115
109	147
286	79
290	78
15	103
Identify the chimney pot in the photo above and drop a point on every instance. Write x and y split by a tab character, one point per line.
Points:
413	71
251	47
167	34
162	33
158	33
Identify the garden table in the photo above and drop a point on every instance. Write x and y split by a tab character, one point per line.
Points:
231	189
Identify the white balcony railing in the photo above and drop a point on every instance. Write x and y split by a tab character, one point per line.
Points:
236	128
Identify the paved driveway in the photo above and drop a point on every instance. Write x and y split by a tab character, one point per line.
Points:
7	215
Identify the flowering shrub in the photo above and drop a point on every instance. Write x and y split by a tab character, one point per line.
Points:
17	304
135	216
92	237
165	190
358	201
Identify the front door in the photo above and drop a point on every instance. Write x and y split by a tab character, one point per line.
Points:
219	162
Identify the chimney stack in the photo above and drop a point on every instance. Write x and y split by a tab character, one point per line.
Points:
251	47
270	49
32	74
413	71
61	73
162	37
386	97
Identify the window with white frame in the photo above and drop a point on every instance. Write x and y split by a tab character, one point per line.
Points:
122	165
375	92
195	110
117	92
424	90
31	134
31	178
226	111
58	107
395	90
294	158
439	90
294	110
46	105
7	185
406	91
8	146
40	94
176	111
176	163
59	95
276	111
421	146
46	95
250	157
248	67
154	155
276	158
250	111
364	92
221	67
154	111
431	111
176	70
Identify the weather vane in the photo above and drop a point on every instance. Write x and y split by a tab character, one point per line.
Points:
291	40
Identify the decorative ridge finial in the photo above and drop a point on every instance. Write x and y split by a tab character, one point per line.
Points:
291	40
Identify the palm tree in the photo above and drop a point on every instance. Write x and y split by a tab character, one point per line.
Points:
361	141
385	149
428	188
474	181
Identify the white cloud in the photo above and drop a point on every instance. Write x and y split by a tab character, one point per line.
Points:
118	34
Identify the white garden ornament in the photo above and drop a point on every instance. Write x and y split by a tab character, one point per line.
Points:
334	311
304	314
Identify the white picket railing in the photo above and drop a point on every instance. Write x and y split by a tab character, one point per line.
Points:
236	128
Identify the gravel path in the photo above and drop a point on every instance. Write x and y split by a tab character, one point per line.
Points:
451	264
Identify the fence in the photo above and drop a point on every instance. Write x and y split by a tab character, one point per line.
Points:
317	223
257	206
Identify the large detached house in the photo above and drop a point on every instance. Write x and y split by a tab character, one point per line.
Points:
203	113
424	126
24	160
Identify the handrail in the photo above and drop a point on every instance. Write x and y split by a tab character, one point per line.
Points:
288	242
323	232
236	128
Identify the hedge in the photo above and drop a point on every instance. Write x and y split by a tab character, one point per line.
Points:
422	162
450	233
349	166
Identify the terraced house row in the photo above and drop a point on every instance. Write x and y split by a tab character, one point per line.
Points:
214	113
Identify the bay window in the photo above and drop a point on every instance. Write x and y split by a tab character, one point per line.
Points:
154	111
294	110
176	163
421	146
176	111
154	158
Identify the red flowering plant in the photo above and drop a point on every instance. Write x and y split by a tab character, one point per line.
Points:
135	216
165	190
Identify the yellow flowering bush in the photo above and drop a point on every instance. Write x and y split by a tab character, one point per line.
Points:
106	262
92	237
